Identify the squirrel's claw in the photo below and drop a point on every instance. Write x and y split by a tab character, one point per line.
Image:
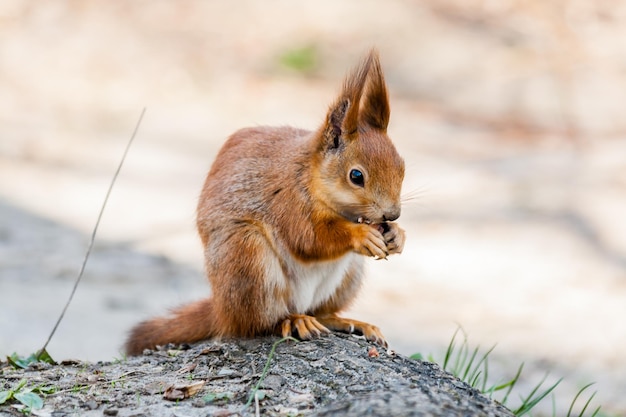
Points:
394	238
373	334
307	327
380	240
369	331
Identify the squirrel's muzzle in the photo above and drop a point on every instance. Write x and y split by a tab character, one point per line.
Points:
391	214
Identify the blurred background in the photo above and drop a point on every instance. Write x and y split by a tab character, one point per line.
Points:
510	115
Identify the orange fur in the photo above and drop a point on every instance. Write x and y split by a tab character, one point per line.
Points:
283	218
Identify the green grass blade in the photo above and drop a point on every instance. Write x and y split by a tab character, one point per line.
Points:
266	368
464	363
477	370
468	367
511	384
582	413
529	402
475	381
450	349
485	373
571	407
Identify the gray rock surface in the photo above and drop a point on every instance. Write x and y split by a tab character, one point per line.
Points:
335	375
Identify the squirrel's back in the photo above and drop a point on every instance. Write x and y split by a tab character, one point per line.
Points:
258	172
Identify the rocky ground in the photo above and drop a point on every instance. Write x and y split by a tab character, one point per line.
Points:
335	375
509	116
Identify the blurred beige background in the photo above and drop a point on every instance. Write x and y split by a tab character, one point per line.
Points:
510	116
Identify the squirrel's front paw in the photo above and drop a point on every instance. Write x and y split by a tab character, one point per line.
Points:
394	237
370	242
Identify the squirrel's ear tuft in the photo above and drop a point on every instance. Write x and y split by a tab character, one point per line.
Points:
375	110
342	120
363	100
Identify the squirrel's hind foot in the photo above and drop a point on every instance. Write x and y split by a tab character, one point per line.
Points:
369	331
307	327
312	327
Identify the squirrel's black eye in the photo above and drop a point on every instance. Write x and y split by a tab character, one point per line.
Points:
356	177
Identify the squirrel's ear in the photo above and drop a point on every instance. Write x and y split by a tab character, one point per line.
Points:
348	112
375	107
336	128
343	117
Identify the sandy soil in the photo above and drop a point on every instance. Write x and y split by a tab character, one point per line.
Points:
509	118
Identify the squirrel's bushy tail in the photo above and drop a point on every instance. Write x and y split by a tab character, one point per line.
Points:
188	324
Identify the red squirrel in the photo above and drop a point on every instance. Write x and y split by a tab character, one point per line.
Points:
285	217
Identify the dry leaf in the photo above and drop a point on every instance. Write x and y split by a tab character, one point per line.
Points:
180	392
211	349
223	413
188	368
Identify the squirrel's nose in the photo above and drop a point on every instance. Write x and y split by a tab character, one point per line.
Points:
392	214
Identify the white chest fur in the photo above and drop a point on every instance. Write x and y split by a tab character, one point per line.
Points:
312	284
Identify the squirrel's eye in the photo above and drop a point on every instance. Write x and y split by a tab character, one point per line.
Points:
356	177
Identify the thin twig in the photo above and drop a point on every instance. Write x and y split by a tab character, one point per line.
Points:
257	407
93	235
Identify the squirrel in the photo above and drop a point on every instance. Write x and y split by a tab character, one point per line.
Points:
285	217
